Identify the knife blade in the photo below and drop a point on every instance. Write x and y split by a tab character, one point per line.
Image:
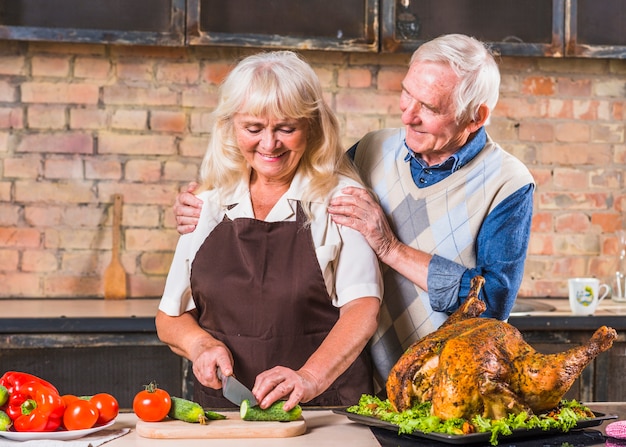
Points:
234	390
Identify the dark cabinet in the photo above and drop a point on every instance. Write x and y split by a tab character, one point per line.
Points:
145	22
350	25
598	28
531	28
550	28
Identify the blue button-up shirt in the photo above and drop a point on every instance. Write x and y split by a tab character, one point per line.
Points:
501	243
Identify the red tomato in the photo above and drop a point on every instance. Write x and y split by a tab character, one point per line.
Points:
107	406
67	398
80	414
152	404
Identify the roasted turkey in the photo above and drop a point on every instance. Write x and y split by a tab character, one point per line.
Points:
482	366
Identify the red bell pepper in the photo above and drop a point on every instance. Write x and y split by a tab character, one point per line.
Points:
36	407
34	404
13	380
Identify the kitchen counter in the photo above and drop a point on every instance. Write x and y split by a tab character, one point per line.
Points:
78	315
325	428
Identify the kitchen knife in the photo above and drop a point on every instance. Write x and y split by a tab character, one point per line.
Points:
234	390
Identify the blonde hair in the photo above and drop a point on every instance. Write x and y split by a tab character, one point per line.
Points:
479	77
279	85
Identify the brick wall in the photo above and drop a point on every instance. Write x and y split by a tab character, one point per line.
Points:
79	123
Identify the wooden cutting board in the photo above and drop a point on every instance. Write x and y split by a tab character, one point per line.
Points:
231	427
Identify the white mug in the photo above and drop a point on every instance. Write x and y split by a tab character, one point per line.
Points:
583	295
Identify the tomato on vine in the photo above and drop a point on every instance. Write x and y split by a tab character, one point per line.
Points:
152	404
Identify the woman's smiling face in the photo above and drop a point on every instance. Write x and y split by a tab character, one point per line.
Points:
272	147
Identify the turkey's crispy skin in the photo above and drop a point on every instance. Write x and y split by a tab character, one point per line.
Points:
482	366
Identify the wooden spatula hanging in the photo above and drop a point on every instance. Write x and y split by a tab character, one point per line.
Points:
114	275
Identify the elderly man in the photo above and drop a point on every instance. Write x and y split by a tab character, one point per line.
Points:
453	203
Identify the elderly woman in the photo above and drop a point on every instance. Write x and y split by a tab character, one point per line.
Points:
268	288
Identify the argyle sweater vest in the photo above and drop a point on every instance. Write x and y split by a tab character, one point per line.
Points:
442	219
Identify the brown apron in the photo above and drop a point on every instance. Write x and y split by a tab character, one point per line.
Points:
258	288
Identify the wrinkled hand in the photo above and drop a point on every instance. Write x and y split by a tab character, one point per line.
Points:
281	382
361	212
205	365
187	209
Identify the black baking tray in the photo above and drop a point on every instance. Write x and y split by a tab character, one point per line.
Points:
473	438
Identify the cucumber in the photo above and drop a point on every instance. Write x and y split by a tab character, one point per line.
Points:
187	411
213	415
5	421
274	413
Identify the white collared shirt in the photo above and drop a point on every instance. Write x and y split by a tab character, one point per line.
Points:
350	267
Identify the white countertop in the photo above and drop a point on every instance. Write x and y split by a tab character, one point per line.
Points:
324	428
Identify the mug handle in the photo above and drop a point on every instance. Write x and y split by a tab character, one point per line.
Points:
606	292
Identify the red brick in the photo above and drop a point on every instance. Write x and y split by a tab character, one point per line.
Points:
354	78
11	118
215	72
193	147
58	168
19	237
56	93
574	132
43	216
536	131
144	96
85	119
50	66
560	108
150	144
92	68
200	97
137	216
520	108
570	178
179	171
130	119
12	65
574	87
586	109
185	73
541	244
372	102
46	117
132	70
573	201
39	261
607	222
390	79
63	286
23	167
166	121
68	143
572	223
8	92
57	192
17	284
139	239
9	260
541	223
538	85
607	133
98	169
575	154
148	171
156	263
9	215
